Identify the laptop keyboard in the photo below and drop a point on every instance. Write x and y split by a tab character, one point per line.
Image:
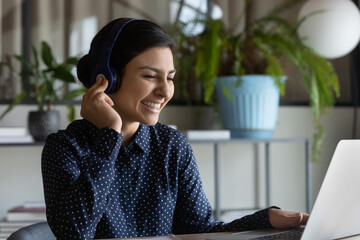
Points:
289	235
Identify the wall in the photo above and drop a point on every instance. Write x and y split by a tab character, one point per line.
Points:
20	176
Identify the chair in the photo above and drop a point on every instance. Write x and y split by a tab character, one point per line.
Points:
37	231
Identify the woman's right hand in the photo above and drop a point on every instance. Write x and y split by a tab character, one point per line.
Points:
96	106
286	219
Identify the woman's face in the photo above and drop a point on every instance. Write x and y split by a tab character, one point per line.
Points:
146	87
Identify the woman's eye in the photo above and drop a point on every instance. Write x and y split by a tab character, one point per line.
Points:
170	78
149	76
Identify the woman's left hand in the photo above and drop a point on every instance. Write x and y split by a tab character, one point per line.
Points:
286	219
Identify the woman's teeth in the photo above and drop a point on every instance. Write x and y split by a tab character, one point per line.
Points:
151	104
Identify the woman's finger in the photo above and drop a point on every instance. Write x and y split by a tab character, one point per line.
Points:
109	101
99	86
304	219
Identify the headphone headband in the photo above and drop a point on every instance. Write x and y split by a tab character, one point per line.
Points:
103	66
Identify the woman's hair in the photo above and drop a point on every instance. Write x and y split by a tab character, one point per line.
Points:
136	37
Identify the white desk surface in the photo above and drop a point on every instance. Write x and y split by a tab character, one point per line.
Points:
203	236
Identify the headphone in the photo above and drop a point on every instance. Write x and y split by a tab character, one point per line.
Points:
103	67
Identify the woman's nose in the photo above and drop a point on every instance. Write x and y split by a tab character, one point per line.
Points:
165	88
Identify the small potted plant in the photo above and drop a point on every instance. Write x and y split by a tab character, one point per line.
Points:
48	80
219	57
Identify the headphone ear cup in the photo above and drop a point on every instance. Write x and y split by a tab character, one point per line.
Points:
114	81
110	75
103	66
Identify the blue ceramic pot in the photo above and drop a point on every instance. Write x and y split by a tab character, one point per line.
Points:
252	110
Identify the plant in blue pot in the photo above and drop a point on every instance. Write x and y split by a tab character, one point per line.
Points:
248	104
243	73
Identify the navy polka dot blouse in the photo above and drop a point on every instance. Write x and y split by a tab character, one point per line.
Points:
96	188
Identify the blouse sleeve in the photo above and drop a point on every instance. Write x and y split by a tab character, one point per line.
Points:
76	182
193	213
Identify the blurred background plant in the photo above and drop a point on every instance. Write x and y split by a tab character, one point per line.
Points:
266	45
48	79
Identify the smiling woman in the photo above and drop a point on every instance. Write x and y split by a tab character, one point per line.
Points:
119	172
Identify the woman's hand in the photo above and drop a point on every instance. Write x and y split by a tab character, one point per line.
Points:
96	106
286	219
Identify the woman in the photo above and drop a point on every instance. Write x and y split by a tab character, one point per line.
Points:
118	172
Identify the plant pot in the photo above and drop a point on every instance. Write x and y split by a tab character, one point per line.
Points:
253	109
42	123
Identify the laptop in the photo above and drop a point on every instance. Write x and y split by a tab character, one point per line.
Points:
336	212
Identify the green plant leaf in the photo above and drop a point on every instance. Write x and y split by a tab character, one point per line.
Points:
26	72
208	56
72	61
70	113
237	67
317	142
36	58
226	91
62	74
47	55
275	69
18	99
74	93
26	62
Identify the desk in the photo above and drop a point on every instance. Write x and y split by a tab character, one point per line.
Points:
204	236
266	142
199	236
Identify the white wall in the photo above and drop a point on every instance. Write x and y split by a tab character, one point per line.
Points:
20	176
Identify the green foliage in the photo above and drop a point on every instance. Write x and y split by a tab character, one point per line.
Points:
208	57
262	48
15	102
47	78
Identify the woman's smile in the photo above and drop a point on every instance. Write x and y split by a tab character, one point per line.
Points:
152	106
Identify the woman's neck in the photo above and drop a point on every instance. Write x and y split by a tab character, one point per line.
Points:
128	130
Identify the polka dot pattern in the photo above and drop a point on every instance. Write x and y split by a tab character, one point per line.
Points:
96	188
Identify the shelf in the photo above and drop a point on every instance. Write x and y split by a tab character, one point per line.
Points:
267	143
21	144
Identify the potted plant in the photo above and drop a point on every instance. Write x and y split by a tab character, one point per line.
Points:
48	79
263	48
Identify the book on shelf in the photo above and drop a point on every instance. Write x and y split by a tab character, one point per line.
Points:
23	214
13	131
16	139
8	227
15	135
207	134
13	226
34	204
4	235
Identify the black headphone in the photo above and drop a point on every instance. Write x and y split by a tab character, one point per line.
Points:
103	67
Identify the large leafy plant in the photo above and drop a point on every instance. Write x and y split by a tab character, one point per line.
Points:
48	79
264	47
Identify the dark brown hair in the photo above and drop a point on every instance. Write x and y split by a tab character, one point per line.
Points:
136	37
